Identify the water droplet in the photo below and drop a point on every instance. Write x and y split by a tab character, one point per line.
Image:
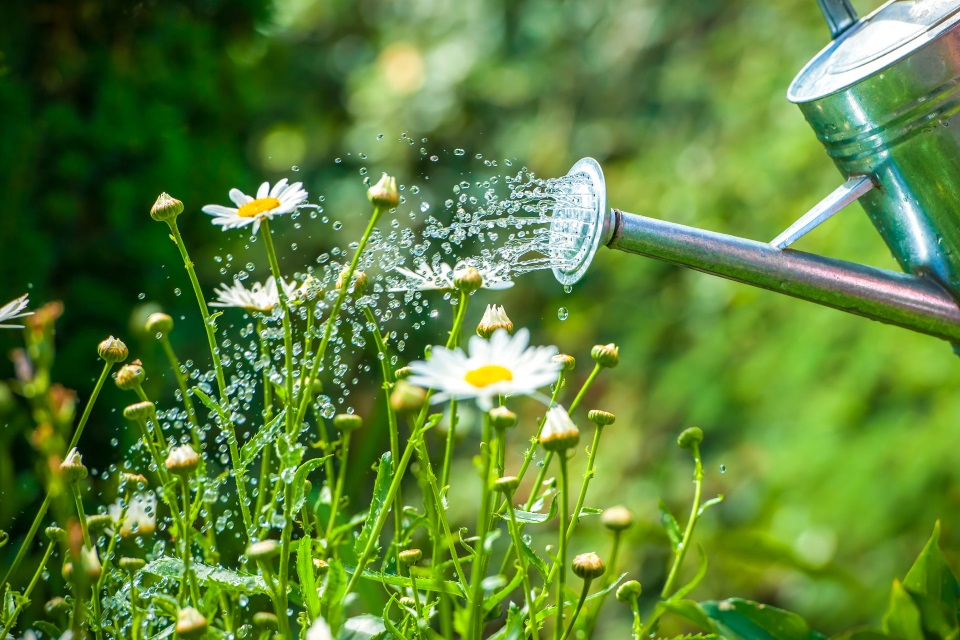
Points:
562	313
380	137
142	296
424	206
458	152
295	168
567	288
723	468
338	160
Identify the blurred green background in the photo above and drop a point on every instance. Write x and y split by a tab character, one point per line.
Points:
836	435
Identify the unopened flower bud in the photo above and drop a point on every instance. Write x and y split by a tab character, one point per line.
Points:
347	422
467	279
56	606
588	566
72	468
410	557
90	563
403	373
407	398
265	621
158	323
566	362
360	282
166	208
98	522
130	376
494	318
617	518
502	418
309	290
629	591
322	566
132	565
408	602
55	534
384	194
191	623
690	438
506	485
182	460
559	432
601	418
133	480
140	411
112	350
606	355
263	550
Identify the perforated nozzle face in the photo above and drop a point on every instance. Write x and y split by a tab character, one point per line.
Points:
579	222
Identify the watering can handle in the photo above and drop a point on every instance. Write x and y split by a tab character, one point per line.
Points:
840	15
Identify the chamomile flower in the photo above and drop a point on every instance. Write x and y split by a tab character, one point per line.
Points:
424	278
502	365
282	198
14	309
141	516
259	297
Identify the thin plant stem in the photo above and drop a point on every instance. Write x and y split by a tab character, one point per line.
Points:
187	526
26	594
78	501
267	416
607	579
483	522
587	476
226	424
42	511
334	313
576	612
338	487
525	575
285	320
562	555
182	385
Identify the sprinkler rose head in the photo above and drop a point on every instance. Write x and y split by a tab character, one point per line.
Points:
581	223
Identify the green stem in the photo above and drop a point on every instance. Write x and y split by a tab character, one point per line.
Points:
26	594
587	476
576	612
562	556
285	319
681	552
334	313
226	424
38	519
607	579
583	389
483	522
338	488
267	417
187	526
78	501
528	598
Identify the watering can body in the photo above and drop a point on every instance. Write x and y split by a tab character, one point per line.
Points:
884	100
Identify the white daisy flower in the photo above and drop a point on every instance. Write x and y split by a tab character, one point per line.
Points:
259	297
14	309
141	516
502	365
282	198
424	278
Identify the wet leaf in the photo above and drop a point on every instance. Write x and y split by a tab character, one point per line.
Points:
264	436
381	488
307	577
670	524
365	627
231	581
532	517
736	618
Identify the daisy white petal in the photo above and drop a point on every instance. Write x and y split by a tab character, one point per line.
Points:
259	297
14	309
277	188
503	365
239	197
281	199
263	191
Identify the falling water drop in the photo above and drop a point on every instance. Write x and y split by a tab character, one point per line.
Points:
562	313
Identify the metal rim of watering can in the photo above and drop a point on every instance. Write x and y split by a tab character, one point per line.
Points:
602	229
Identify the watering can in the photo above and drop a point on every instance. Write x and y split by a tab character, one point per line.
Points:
884	100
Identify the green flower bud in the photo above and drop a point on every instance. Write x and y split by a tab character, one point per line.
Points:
55	534
567	363
182	460
265	621
263	550
601	418
606	355
407	398
494	318
112	350
588	566
140	411
130	376
158	323
166	208
72	468
98	522
384	194
191	623
690	438
132	565
347	422
559	432
410	557
506	485
502	418
360	282
467	280
629	591
403	373
617	518
322	566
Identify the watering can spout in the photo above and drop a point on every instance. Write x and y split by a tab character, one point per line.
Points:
913	302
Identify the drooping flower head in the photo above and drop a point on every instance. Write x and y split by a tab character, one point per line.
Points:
259	297
14	309
502	365
282	198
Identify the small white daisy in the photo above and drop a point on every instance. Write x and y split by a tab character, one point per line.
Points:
502	365
259	297
141	516
282	198
14	309
424	278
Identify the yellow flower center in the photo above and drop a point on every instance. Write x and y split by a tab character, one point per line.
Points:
258	206
487	375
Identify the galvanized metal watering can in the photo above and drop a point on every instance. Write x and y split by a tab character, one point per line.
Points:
884	99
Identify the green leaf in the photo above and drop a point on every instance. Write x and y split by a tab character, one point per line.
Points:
930	576
670	524
264	436
549	610
862	634
365	627
903	617
299	481
494	599
381	488
532	517
308	579
172	569
740	619
701	572
424	584
331	597
691	611
533	558
589	511
709	503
